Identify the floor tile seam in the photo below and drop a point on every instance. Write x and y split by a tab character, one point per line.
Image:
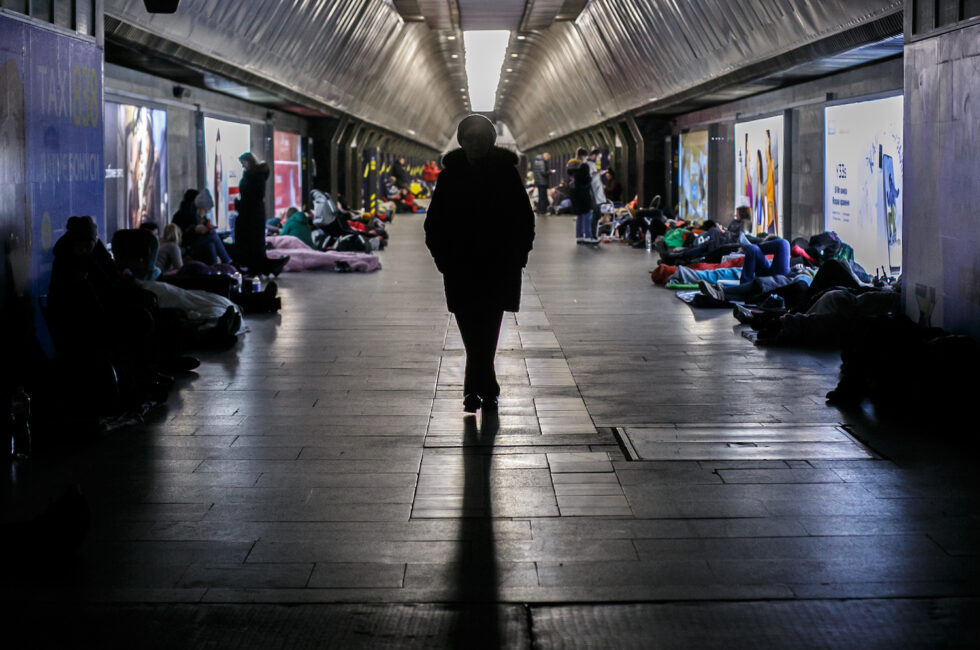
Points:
581	396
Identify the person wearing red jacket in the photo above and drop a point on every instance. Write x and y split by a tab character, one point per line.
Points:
429	174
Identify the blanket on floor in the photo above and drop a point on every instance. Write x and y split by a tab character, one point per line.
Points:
686	275
304	258
662	273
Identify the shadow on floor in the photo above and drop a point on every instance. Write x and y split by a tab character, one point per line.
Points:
476	583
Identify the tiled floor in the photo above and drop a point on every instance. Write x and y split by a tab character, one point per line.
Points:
644	453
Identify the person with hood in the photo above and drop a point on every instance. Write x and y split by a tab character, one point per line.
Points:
480	247
542	179
250	224
296	225
197	233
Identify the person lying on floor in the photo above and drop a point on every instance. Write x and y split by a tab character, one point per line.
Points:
717	240
334	224
759	276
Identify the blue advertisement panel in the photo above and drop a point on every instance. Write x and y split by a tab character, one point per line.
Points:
58	139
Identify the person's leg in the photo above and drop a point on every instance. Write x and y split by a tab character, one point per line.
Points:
490	389
714	257
755	263
542	199
218	248
779	249
594	229
202	250
693	252
587	225
469	325
579	226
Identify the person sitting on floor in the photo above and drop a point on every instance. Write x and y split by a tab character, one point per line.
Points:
405	202
168	256
297	225
758	276
197	233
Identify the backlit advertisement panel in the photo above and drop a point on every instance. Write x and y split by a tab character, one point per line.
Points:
692	202
759	172
863	179
288	169
224	142
135	166
51	144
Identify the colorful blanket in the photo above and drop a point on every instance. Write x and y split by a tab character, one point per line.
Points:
663	273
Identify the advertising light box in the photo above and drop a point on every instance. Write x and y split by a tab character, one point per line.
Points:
135	166
759	172
288	181
863	179
692	204
224	142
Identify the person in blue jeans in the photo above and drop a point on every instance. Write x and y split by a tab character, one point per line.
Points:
756	263
759	276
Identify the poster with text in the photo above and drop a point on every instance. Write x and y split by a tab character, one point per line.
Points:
224	142
51	144
693	181
287	166
135	166
759	172
863	180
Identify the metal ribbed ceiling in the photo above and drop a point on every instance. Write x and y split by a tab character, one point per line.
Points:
362	58
355	56
620	55
498	14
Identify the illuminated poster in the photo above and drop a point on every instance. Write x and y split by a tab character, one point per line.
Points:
863	179
287	166
693	181
135	166
759	173
224	142
51	140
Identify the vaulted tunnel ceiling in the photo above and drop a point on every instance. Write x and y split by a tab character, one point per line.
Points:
399	63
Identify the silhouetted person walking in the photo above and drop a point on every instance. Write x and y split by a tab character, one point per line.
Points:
479	229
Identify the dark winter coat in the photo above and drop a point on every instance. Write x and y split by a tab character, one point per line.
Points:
581	193
250	222
399	174
542	175
479	229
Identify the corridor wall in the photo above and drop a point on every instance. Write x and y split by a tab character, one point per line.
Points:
804	161
942	164
51	137
186	162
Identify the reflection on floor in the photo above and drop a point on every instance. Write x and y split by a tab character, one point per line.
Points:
643	453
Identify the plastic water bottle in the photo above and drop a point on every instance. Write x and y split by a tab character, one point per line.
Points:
256	284
649	241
